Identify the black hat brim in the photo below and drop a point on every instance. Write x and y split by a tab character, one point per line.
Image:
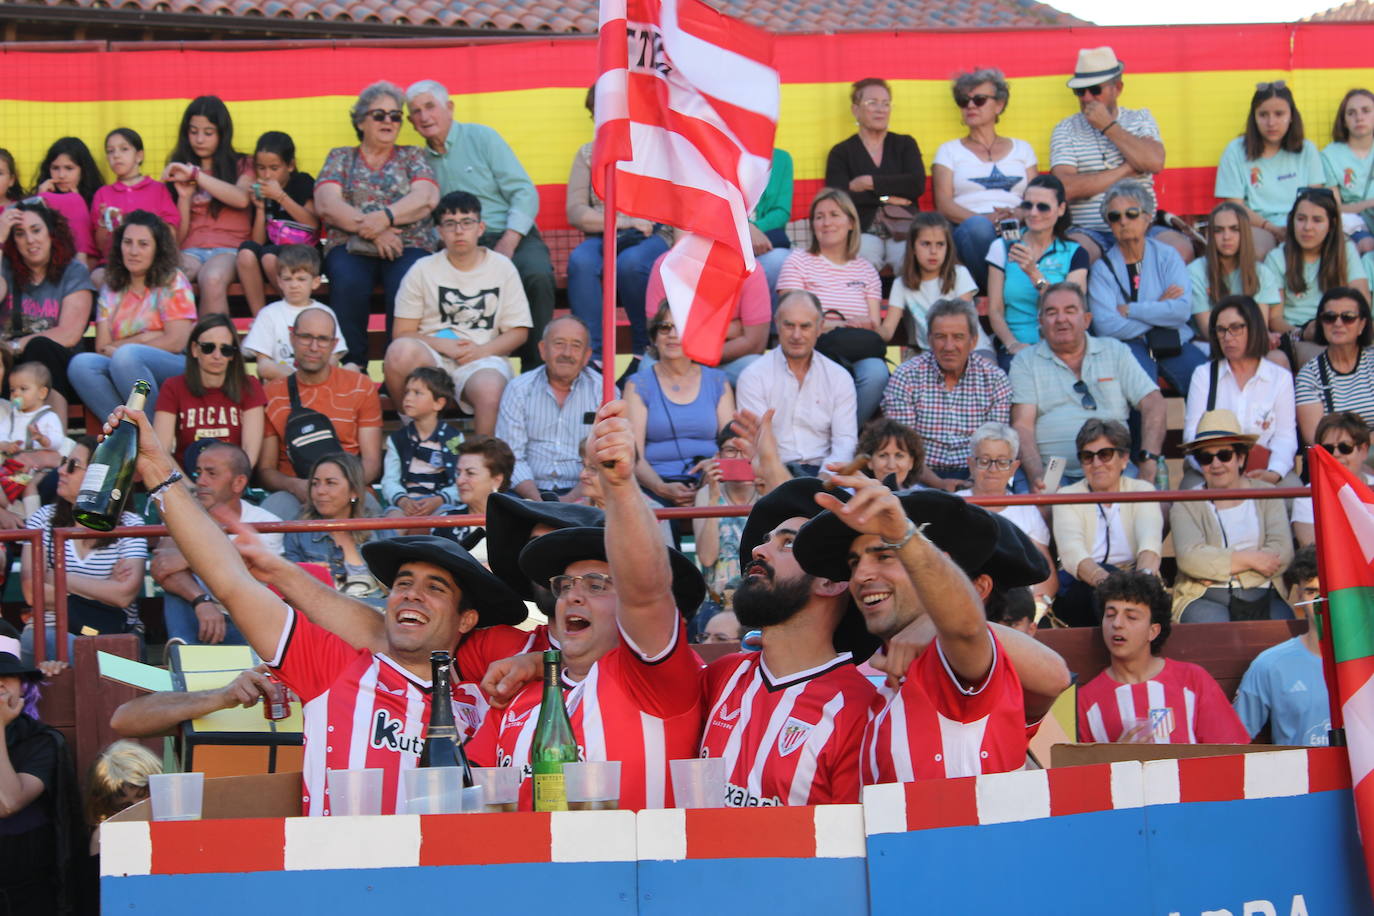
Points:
791	499
510	520
13	667
1015	559
495	602
549	555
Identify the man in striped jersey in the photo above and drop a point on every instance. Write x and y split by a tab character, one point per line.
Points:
789	720
363	709
1142	697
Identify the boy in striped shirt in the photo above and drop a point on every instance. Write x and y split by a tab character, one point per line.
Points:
1143	697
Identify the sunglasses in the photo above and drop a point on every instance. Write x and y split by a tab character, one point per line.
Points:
1309	193
1089	402
594	583
1115	216
1103	455
1271	87
1223	455
1093	91
1039	206
1345	448
978	100
34	202
381	114
1342	317
225	350
73	465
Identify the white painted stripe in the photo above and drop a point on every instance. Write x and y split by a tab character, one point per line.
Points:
1160	779
592	836
321	843
884	808
1020	796
1275	774
126	848
840	832
1128	784
661	834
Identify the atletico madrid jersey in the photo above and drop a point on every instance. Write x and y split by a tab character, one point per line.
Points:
641	711
786	741
1183	704
362	710
933	727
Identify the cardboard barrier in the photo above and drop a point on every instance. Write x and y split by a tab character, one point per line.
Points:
1263	833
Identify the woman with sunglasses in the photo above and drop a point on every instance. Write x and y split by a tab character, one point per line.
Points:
1258	391
1262	169
1345	436
1140	292
1231	552
979	179
1097	539
143	316
216	398
1315	257
375	200
1342	378
1228	268
1023	269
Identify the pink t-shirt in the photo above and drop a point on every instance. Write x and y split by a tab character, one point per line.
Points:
754	305
844	288
148	194
73	206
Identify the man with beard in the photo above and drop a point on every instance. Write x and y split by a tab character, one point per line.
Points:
789	720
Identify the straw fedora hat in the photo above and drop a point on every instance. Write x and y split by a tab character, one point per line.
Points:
1218	427
1095	66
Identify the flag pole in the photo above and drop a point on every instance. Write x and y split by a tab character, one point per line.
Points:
608	241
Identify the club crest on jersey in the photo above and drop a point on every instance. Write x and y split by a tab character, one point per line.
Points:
385	735
468	715
793	735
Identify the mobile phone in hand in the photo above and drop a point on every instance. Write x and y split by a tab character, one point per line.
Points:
1054	472
735	469
1010	230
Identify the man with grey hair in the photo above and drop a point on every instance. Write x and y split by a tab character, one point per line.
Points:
812	398
946	392
547	411
1070	377
1140	290
475	158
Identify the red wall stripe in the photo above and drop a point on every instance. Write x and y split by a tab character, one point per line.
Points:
480	840
219	846
747	833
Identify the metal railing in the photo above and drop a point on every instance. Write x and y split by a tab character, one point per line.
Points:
60	536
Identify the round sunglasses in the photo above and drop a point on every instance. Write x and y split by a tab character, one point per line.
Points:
228	351
978	100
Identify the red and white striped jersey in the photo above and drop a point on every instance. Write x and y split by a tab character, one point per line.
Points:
485	645
932	727
640	711
1185	704
786	741
361	710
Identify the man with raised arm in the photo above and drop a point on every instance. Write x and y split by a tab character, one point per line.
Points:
362	708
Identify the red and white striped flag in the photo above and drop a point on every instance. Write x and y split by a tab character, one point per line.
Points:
687	105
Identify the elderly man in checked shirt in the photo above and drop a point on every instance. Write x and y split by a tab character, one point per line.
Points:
947	392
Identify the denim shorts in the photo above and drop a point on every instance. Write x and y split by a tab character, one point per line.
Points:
204	254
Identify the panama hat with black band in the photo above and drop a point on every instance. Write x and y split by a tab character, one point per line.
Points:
511	520
494	601
1219	428
550	554
1095	66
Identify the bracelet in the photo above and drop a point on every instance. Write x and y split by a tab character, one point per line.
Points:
911	531
390	217
1107	128
202	598
156	494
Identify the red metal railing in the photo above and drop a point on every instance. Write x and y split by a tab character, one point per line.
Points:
60	536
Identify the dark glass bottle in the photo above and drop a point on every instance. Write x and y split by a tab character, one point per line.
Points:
110	473
443	747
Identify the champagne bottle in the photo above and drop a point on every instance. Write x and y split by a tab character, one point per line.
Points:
554	743
443	748
110	474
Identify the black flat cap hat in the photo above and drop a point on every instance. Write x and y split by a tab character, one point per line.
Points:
966	532
549	555
510	520
792	498
1015	559
494	600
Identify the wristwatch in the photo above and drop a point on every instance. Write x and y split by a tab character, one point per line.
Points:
911	530
1041	285
202	598
1143	456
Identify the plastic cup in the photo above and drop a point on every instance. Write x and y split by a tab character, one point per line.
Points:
500	787
176	796
593	785
698	782
433	790
353	792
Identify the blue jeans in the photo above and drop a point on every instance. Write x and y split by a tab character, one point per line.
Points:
632	268
771	262
972	239
182	623
870	378
1178	370
104	382
351	279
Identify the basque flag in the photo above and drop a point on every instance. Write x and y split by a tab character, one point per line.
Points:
1344	512
687	106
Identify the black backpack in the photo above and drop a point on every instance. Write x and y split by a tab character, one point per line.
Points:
309	434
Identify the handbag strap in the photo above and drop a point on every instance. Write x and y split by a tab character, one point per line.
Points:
1212	392
1326	384
293	392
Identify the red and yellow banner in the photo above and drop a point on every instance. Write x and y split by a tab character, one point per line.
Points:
1196	80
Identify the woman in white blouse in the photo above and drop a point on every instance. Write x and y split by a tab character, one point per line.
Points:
1256	390
980	179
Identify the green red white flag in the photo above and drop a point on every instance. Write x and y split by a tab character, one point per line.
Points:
1343	509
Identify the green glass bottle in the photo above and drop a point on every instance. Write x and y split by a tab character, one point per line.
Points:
554	743
443	748
110	474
